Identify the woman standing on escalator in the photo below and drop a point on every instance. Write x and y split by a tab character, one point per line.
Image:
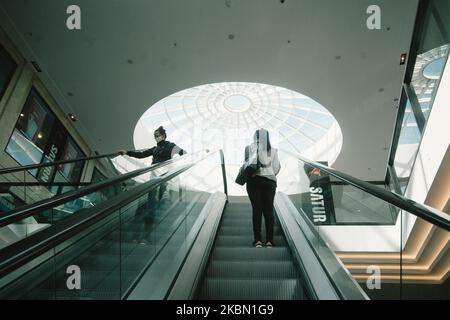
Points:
262	185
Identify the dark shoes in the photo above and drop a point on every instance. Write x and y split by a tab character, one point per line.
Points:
258	244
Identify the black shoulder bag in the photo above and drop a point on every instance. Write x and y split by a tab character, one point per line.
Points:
248	169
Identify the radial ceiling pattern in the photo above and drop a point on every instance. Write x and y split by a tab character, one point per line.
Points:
427	73
225	116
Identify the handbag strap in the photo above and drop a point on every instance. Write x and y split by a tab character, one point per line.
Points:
258	163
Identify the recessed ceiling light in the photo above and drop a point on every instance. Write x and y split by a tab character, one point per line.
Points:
403	58
72	117
22	115
40	135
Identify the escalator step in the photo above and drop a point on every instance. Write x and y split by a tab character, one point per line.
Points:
237	214
241	231
239	206
245	241
244	219
228	222
245	289
252	269
249	254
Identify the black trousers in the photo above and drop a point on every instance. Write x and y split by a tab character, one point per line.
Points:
144	217
261	192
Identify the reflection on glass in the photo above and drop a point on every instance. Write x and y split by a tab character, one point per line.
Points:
407	148
39	137
23	150
9	202
428	70
149	234
364	236
71	171
355	207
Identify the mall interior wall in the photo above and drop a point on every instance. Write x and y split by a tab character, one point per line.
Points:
14	95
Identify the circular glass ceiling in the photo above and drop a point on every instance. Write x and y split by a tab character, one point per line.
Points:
225	116
427	73
433	70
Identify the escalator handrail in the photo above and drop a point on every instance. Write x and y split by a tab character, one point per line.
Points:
46	204
44	184
425	212
25	250
320	249
55	163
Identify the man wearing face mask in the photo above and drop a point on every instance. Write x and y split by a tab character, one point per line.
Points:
163	151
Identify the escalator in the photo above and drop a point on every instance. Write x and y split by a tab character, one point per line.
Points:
238	271
113	248
36	215
22	187
186	242
139	240
30	183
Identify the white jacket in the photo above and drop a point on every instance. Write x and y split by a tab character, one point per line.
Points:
270	163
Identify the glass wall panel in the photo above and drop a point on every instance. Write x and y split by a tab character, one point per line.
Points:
432	54
39	137
408	145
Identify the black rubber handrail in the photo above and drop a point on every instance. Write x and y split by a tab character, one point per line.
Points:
25	250
55	163
425	212
43	184
50	164
46	204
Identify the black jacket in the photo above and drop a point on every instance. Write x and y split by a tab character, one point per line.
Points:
162	152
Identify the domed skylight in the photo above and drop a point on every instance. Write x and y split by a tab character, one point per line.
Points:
225	116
